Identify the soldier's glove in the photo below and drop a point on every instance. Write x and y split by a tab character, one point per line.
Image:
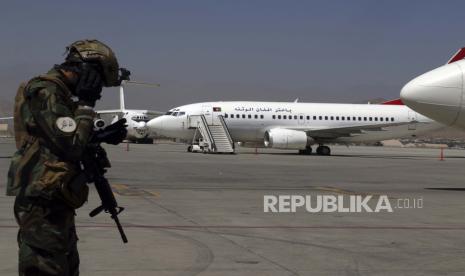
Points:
89	86
112	134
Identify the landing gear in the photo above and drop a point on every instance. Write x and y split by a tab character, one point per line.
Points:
323	150
189	148
306	151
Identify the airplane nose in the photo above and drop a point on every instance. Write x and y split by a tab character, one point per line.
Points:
142	125
156	125
141	130
436	94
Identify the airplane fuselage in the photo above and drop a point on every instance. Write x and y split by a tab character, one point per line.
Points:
249	121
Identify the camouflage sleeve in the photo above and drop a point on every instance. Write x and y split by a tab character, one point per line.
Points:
64	130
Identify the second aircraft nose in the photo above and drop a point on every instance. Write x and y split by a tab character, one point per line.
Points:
156	125
436	94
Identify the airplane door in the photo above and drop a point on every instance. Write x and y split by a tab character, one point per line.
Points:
215	114
412	117
207	111
301	119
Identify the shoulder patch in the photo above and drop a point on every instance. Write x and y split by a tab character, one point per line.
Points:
66	124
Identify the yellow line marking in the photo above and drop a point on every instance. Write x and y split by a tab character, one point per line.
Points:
155	194
119	186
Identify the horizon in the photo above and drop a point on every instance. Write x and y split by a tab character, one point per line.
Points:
341	51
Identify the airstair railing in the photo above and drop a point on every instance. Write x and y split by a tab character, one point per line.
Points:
225	127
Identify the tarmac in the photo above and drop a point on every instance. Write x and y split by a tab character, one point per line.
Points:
198	214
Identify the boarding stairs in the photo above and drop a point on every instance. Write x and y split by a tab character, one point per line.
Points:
211	135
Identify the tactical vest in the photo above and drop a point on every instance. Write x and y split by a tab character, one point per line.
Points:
27	146
19	127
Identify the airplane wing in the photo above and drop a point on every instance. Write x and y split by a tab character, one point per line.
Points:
147	112
335	132
155	113
110	111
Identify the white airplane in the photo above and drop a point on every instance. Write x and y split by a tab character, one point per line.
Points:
284	125
439	94
136	119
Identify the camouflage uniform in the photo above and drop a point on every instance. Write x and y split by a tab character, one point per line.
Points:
45	175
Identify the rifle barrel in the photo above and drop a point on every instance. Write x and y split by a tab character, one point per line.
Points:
120	228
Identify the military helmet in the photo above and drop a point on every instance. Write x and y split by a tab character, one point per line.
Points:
95	51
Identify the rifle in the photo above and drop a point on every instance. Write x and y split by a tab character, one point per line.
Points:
95	161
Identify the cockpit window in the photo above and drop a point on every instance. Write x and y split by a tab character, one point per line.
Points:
175	114
169	113
181	113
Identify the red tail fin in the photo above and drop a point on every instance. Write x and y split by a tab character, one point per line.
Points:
394	102
458	56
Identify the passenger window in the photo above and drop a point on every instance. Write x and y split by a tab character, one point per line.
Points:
376	119
243	116
364	118
314	118
249	116
238	116
381	119
392	119
262	117
355	119
387	119
337	118
226	115
326	117
295	117
343	118
332	118
284	116
308	118
290	117
279	116
274	117
371	119
320	118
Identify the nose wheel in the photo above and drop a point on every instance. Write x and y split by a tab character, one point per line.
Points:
323	150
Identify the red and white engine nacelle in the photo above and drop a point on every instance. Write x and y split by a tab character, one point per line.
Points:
280	138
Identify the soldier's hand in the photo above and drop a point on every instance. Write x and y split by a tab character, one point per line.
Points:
89	87
112	134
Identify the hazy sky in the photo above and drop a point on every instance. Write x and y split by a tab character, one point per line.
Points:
318	51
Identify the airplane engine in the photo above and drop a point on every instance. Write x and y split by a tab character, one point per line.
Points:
279	138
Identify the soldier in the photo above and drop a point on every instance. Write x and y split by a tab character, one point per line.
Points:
54	120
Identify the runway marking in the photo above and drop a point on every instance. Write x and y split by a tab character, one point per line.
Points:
325	227
119	187
346	192
155	194
125	190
